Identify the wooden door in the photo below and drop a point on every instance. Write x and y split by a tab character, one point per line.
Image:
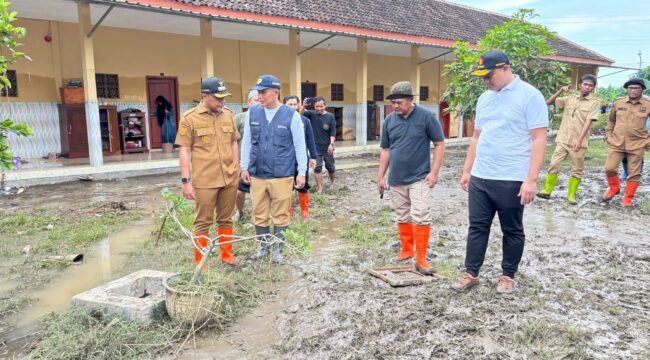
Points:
307	90
378	120
445	118
166	86
113	128
77	132
338	116
387	110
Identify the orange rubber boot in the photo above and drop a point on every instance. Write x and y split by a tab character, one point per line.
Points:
406	238
203	241
614	187
226	250
421	235
630	190
304	204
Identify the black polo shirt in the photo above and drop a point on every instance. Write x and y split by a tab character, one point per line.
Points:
323	126
409	144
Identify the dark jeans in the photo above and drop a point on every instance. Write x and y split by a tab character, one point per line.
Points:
487	197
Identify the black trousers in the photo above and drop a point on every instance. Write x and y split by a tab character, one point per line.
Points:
487	197
304	189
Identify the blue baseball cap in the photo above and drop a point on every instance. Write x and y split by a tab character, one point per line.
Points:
267	82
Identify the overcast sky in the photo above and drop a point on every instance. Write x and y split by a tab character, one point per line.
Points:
615	29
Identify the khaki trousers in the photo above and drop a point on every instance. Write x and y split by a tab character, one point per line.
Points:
208	202
271	199
411	203
634	159
577	160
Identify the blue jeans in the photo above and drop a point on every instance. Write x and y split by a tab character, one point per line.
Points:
169	128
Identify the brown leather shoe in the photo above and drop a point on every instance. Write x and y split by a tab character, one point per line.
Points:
506	284
467	282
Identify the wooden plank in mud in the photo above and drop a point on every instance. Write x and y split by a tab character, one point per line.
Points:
402	276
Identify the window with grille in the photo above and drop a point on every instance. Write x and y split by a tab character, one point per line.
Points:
13	80
378	92
108	86
424	93
337	92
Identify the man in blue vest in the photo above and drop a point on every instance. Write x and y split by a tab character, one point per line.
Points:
274	141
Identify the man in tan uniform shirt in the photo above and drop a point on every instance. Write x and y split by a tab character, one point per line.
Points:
573	137
207	137
627	134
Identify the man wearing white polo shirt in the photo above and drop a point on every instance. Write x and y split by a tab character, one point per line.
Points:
503	160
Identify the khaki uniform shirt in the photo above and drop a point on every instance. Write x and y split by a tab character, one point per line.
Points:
210	136
626	126
577	110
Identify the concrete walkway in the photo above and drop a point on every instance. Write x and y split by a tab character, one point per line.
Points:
45	172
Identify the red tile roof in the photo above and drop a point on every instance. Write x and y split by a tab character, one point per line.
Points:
431	22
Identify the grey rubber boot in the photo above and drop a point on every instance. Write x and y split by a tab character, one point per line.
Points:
276	250
261	251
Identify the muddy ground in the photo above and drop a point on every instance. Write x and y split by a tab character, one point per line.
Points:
582	286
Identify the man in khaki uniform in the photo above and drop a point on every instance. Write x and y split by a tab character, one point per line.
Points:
626	133
208	140
573	137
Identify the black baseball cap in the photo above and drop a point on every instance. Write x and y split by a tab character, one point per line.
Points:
214	86
489	61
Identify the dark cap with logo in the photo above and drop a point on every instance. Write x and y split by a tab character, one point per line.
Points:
635	81
214	86
489	61
267	82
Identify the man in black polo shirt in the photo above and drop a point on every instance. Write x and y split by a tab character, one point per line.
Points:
406	142
323	125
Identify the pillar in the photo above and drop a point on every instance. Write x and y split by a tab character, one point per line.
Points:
362	92
415	69
57	68
207	51
295	69
90	88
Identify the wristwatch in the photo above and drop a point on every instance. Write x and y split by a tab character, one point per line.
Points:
185	180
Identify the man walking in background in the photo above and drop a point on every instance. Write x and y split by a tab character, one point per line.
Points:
243	188
323	125
573	137
293	102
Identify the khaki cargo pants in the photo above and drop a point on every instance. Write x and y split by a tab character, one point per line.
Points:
577	160
634	160
271	199
411	203
214	203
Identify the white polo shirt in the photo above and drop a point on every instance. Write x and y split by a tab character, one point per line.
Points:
505	119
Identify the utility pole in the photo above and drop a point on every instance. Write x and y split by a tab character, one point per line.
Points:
640	62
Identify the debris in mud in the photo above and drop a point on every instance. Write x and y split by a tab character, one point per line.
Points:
85	178
398	276
12	191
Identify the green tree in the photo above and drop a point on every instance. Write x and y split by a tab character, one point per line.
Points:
610	93
9	35
526	45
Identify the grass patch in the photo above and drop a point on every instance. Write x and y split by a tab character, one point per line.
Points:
12	305
363	236
645	206
548	340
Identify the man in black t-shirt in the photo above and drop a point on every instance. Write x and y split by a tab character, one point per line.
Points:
406	148
323	125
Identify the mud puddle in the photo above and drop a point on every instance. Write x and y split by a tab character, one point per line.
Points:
255	334
98	266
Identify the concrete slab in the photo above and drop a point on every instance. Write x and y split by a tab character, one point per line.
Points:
138	296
